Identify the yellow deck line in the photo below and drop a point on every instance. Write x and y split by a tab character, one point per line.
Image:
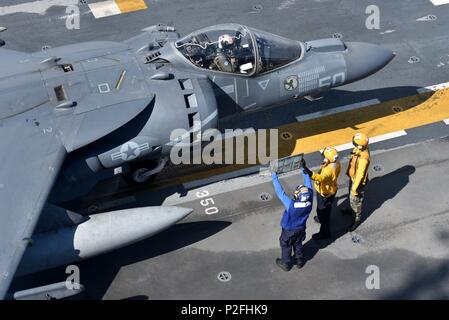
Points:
114	7
312	135
417	110
131	5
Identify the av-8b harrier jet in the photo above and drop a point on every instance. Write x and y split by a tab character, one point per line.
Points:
80	109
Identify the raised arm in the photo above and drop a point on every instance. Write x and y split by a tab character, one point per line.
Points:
280	191
307	180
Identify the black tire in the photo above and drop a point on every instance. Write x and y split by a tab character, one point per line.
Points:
139	167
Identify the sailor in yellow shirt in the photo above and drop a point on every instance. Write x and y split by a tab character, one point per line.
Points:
358	175
325	183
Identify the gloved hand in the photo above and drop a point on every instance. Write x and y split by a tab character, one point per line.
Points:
307	171
304	167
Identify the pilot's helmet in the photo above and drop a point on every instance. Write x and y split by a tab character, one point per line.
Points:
225	41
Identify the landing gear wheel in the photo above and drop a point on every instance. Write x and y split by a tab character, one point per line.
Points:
136	175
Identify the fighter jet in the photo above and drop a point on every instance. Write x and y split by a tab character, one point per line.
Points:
72	112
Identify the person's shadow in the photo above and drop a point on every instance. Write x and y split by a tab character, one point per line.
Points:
378	191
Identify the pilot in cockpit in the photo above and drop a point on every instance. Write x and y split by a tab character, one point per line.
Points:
226	58
232	55
226	42
230	52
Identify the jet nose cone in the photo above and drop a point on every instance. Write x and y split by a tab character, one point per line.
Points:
364	59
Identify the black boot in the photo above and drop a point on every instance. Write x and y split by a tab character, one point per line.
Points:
282	265
355	224
300	263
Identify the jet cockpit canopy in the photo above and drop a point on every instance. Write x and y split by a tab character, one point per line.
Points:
227	48
237	49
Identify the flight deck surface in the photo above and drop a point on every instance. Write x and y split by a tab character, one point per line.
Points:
229	252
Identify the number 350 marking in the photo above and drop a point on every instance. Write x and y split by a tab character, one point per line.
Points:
207	202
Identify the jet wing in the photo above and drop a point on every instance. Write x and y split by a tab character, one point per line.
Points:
31	155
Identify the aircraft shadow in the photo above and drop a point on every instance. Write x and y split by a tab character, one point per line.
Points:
425	282
284	114
379	190
98	273
269	118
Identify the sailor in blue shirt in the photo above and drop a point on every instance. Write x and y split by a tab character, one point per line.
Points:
293	223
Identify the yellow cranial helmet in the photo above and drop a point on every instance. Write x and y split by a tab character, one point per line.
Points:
330	154
360	140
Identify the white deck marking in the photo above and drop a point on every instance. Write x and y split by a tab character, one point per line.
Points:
250	178
435	87
328	112
439	2
250	170
363	104
375	139
446	121
286	4
37	7
104	9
